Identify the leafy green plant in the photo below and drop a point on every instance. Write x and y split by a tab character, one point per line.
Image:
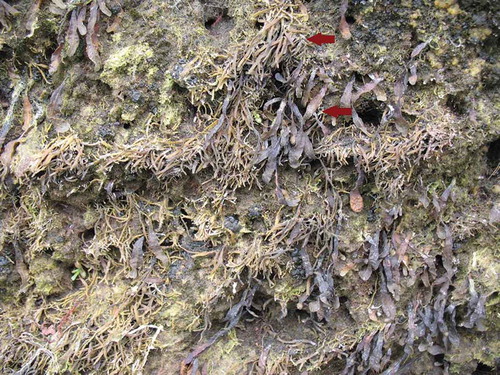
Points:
78	272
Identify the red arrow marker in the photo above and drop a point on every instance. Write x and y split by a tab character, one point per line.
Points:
321	39
337	111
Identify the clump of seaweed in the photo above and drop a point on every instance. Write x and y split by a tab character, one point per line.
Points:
78	25
6	11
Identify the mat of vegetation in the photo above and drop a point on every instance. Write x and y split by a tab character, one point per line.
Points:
175	200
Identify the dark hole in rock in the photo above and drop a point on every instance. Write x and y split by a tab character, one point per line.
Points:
114	252
358	78
484	369
126	125
370	111
259	300
315	165
467	4
413	202
372	215
188	223
489	45
493	153
4	99
167	243
17	201
343	299
218	21
259	25
439	261
39	174
410	118
180	92
350	19
490	77
279	81
414	38
457	104
178	89
88	235
439	358
49	251
493	296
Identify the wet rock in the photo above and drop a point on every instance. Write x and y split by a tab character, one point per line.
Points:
135	96
50	276
232	223
107	131
254	212
5	268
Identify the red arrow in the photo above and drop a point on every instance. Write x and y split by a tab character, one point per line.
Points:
321	39
337	111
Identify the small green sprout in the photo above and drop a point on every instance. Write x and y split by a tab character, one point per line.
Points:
78	272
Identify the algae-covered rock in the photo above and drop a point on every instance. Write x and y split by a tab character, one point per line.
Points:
49	275
176	196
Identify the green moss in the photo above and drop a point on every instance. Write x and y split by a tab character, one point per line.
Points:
178	314
127	61
49	276
482	263
171	108
90	217
479	349
228	356
286	289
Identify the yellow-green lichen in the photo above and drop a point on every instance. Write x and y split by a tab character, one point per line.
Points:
49	276
126	61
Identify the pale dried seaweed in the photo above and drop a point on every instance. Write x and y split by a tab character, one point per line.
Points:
388	305
21	267
91	36
9	116
32	18
366	88
343	25
475	309
55	101
369	354
136	257
232	317
154	246
419	48
78	27
6	12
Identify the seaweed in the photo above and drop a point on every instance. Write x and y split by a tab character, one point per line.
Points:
369	354
232	317
9	116
6	12
475	309
154	245
343	25
184	169
136	257
76	28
